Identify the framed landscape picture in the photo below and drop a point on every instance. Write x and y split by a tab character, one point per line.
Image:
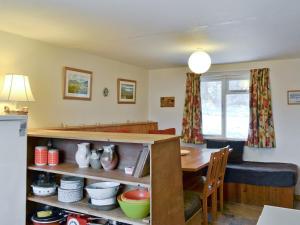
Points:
294	97
126	91
78	84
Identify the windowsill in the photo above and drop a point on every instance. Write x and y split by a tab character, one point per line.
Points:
223	138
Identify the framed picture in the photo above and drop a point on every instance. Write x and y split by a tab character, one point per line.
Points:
78	84
294	97
167	102
126	91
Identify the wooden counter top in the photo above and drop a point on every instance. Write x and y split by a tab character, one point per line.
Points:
102	136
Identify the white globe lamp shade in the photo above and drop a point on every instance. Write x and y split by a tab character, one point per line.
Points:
199	62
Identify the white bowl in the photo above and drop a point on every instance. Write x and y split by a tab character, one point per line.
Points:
67	195
43	191
108	201
102	190
69	182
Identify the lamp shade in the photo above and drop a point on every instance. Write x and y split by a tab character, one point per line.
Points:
16	88
199	62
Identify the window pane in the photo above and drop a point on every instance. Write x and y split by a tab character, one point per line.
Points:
238	85
211	99
237	115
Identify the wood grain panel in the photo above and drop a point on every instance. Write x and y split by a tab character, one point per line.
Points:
196	219
259	195
139	127
167	206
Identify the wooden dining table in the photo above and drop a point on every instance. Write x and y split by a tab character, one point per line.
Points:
196	159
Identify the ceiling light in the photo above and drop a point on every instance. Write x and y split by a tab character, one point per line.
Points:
199	62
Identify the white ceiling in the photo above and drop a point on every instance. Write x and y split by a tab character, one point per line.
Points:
161	33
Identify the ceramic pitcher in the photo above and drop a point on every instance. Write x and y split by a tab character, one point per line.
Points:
109	158
95	159
83	155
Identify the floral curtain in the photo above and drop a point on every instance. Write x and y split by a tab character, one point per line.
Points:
261	128
192	116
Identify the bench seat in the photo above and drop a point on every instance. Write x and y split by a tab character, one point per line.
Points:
260	183
262	174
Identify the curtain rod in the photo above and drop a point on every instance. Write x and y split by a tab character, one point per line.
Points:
229	71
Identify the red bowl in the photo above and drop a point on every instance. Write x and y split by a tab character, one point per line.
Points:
136	194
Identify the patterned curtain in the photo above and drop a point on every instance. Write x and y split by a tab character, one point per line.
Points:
261	128
192	116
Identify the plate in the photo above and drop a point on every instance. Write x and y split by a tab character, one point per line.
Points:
184	152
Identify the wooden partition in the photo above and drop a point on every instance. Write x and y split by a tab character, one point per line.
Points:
164	181
138	127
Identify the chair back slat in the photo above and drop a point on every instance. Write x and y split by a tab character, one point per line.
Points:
212	173
224	154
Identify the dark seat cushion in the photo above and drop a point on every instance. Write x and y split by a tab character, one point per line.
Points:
192	204
236	155
262	174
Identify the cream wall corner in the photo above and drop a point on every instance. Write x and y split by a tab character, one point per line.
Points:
44	63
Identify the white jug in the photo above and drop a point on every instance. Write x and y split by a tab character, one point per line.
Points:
83	155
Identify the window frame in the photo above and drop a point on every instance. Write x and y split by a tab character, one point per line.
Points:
225	77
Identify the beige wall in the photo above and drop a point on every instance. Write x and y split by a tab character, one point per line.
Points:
44	64
284	76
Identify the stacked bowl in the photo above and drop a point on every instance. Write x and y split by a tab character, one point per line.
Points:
71	189
103	195
135	203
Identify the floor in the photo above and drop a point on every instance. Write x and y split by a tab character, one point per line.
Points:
241	214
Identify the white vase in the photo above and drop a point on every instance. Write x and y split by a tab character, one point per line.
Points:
83	155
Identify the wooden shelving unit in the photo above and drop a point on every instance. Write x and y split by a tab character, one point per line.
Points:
71	169
164	181
82	207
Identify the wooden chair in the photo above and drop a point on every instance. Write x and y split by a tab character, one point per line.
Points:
221	174
209	186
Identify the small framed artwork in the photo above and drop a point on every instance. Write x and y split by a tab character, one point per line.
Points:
126	91
78	84
294	97
167	102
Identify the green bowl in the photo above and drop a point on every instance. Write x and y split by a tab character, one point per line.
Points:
134	210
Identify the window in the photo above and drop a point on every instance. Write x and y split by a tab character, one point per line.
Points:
225	105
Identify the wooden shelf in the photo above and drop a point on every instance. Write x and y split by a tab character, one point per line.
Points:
103	136
72	169
82	207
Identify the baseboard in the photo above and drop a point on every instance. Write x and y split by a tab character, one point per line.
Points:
297	197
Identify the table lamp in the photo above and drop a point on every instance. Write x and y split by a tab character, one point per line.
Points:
16	88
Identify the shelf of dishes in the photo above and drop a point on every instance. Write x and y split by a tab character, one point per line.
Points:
72	169
104	197
83	207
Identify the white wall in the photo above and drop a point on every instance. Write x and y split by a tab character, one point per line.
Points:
285	76
44	63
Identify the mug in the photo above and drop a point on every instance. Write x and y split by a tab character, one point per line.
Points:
53	157
40	155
